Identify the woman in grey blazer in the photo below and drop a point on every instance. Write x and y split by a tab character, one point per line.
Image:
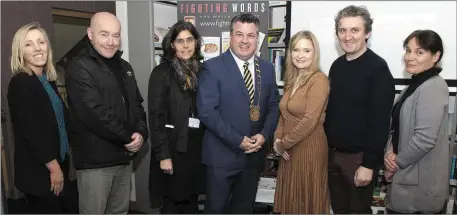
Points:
417	157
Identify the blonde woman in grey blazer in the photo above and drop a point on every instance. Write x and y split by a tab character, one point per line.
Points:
417	158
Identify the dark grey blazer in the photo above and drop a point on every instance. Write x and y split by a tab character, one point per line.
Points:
422	182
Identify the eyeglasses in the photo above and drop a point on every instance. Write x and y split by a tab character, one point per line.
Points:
189	40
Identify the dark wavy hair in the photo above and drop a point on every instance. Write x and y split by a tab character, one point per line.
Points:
169	52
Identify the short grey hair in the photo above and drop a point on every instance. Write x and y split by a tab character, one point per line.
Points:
245	18
354	11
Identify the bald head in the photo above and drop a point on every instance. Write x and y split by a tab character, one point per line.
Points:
104	18
105	33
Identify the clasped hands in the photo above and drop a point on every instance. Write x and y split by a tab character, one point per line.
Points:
252	144
391	165
135	145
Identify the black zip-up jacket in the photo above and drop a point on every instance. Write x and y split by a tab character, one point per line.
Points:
101	126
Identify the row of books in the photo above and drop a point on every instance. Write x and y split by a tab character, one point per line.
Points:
277	58
277	55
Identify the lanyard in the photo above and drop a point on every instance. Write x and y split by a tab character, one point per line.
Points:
192	111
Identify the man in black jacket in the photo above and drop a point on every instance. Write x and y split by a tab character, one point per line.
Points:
109	121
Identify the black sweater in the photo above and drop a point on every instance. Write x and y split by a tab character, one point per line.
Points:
362	92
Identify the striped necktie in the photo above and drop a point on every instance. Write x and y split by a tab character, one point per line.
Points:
249	82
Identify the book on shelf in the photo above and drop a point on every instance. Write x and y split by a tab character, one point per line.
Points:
276	35
453	171
277	58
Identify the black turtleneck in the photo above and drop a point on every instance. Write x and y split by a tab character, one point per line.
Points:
416	81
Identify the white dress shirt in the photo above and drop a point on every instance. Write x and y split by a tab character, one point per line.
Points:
251	66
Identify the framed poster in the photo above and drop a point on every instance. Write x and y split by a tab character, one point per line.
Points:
212	20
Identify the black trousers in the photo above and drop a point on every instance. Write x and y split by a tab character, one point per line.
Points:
231	190
180	207
345	197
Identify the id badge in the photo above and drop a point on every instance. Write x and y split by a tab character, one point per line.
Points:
194	122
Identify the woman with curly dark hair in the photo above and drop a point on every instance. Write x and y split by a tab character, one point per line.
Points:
176	172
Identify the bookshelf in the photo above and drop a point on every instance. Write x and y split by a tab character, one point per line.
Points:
158	52
157	45
277	39
451	206
160	25
277	50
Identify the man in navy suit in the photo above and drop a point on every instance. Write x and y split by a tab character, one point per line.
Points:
237	100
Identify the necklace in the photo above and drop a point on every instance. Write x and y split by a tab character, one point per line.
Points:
254	110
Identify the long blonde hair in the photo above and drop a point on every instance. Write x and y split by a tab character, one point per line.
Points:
292	74
18	63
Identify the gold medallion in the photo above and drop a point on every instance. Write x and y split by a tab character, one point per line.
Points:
254	113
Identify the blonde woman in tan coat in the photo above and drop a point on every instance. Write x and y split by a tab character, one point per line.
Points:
302	186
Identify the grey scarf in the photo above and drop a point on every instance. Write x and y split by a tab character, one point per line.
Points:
186	72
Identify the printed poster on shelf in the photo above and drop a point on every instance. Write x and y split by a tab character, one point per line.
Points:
212	19
210	47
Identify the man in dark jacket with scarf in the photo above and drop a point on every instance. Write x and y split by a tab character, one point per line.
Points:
109	121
